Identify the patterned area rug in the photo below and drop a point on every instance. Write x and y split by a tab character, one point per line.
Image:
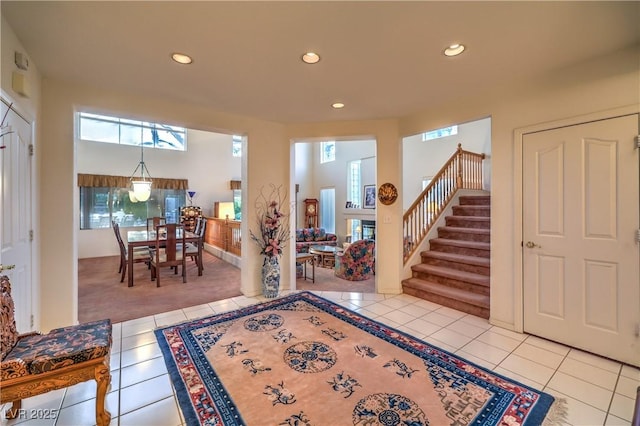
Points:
304	360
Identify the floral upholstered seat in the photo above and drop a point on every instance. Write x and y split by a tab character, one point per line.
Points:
357	262
34	363
39	353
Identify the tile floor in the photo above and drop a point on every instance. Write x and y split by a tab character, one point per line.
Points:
598	391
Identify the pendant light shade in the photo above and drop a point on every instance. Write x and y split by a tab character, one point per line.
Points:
140	185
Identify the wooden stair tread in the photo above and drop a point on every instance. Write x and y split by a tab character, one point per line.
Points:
449	292
460	258
469	277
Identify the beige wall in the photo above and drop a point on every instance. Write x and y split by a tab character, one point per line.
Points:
604	84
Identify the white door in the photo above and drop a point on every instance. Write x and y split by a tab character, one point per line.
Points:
580	215
15	213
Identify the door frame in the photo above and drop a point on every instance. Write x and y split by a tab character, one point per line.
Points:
519	133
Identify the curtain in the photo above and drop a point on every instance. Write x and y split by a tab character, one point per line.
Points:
106	181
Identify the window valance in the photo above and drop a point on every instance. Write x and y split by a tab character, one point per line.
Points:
235	184
106	181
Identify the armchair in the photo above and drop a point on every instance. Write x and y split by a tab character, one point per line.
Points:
357	262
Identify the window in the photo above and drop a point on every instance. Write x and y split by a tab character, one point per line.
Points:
108	129
99	206
328	151
236	149
328	209
354	193
237	204
440	133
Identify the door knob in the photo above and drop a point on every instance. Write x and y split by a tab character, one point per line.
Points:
531	244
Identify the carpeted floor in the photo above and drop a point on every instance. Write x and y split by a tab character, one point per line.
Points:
102	295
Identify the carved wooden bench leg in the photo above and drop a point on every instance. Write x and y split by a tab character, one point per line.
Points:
14	410
103	381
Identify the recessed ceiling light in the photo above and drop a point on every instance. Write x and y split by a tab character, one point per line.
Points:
337	105
454	50
310	58
181	58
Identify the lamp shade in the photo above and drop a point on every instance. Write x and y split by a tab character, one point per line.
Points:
226	210
141	189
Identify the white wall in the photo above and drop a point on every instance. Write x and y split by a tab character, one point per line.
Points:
207	163
421	159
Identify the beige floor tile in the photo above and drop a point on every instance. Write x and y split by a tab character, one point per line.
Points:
581	390
165	413
145	393
527	368
142	371
579	413
136	340
491	337
539	355
139	354
592	374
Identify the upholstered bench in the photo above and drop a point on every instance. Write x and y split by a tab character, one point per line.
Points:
33	363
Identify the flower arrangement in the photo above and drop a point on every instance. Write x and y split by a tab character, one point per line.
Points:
273	223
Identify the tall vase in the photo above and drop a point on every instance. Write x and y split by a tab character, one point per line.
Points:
270	277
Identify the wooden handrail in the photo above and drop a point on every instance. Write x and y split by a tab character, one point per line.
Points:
463	170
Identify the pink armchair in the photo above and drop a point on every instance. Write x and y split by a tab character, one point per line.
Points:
357	262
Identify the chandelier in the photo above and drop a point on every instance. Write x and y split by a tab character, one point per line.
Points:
140	186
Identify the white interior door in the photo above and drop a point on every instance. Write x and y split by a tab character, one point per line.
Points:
580	215
16	213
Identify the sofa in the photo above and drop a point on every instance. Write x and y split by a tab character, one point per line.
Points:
307	237
357	262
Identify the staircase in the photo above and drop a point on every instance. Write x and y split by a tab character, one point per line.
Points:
455	271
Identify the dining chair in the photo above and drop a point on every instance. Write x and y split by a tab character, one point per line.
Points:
194	250
154	222
116	231
140	254
169	251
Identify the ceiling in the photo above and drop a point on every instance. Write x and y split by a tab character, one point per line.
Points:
383	59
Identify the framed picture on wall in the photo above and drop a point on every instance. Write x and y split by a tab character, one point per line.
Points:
369	197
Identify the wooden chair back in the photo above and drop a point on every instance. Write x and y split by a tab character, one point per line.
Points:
154	222
169	251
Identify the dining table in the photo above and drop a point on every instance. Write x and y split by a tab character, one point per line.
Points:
145	238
